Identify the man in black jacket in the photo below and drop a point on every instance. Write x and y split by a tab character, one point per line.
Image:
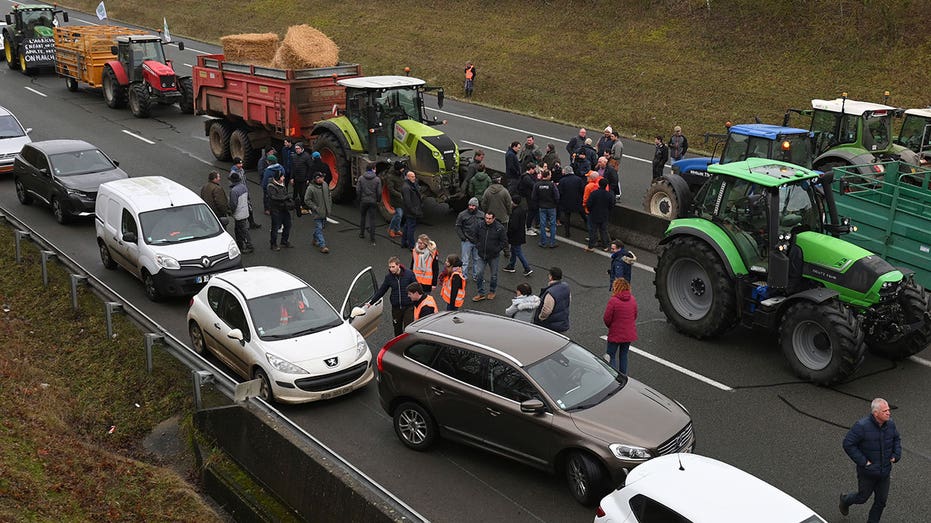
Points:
660	156
873	443
512	167
300	175
466	222
413	209
490	239
397	281
545	197
517	237
600	203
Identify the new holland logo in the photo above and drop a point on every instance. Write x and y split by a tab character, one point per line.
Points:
331	362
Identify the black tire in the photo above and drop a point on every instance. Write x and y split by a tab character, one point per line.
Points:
23	66
8	52
694	290
587	478
71	84
197	338
105	257
914	308
241	146
822	342
265	390
219	137
148	285
61	215
21	193
414	426
332	154
186	86
662	200
458	204
113	93
140	102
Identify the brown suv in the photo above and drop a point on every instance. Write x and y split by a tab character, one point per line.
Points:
527	393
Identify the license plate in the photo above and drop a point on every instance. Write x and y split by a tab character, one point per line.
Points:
336	393
202	279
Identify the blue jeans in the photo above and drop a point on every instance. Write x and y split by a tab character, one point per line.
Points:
618	353
467	255
866	486
409	235
395	224
517	253
547	219
480	273
319	224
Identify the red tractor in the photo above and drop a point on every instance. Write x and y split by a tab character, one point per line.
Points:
142	76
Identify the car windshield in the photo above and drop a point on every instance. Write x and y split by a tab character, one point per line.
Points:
179	224
10	128
296	312
79	162
575	378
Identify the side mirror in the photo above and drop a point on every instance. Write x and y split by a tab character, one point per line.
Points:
236	334
130	237
181	46
28	130
224	221
116	163
356	312
439	99
114	50
9	21
43	172
64	16
532	406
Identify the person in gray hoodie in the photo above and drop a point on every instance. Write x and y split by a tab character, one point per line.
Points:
524	304
369	189
240	208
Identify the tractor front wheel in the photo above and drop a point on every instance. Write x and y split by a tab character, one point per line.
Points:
71	83
915	321
113	93
139	100
332	154
694	290
186	86
12	60
822	342
661	200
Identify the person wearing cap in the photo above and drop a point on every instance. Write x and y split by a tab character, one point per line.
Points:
301	171
466	222
240	208
318	165
238	169
269	174
678	144
604	143
318	201
369	189
263	162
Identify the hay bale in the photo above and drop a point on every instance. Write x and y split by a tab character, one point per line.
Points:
305	47
250	48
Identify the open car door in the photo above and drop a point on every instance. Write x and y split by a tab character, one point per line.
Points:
365	321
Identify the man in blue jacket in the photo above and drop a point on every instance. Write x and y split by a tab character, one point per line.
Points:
397	280
873	443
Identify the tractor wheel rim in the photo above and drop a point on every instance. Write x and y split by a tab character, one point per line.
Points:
329	158
660	204
689	289
386	200
9	52
812	345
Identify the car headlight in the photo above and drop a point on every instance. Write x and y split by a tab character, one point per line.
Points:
284	366
233	250
361	346
166	262
74	192
629	452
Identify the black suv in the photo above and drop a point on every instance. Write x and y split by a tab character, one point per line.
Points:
64	174
527	393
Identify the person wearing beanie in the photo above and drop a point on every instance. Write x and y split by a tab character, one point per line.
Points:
317	165
301	171
605	142
240	207
466	222
263	162
270	173
237	168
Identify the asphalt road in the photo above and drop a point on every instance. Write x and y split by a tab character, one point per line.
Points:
748	408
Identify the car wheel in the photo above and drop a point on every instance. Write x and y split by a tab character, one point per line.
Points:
71	84
105	257
61	216
197	338
414	426
265	390
21	193
586	478
148	282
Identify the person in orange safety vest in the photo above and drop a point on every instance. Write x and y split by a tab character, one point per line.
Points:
452	283
424	304
424	264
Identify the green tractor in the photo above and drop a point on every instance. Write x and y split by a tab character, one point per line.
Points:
915	135
28	38
755	250
385	123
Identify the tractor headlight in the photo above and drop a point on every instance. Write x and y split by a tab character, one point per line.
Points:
629	452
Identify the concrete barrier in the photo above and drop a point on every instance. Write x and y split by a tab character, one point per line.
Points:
637	228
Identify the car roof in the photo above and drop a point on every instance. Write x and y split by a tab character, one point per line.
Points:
763	171
147	193
258	281
767	131
381	82
524	343
925	113
850	106
705	489
62	146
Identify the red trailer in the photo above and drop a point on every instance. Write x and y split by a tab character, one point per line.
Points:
253	106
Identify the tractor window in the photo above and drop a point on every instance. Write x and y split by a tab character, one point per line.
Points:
916	133
798	208
399	104
877	132
151	50
824	128
743	215
708	196
758	148
736	148
848	129
36	18
795	148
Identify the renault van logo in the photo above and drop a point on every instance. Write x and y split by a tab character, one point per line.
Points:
205	262
331	362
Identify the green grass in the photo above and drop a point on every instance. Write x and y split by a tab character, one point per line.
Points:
641	66
64	384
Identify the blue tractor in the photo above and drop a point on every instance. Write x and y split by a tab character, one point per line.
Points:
670	195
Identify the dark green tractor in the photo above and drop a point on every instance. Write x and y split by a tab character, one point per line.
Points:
761	248
28	41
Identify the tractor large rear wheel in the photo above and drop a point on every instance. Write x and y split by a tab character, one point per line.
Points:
140	102
12	61
241	147
113	93
186	86
694	290
219	138
822	342
24	65
332	154
661	200
916	314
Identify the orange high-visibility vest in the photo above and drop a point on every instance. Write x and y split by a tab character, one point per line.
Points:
447	289
426	301
423	266
284	316
468	73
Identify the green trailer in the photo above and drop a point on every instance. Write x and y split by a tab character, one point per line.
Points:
892	214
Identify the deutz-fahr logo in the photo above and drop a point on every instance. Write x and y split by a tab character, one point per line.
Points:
823	274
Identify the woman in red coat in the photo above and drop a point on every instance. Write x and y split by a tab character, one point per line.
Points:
621	319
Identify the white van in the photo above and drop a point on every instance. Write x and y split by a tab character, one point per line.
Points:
163	233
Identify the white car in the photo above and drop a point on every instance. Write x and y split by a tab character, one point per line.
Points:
269	325
12	138
687	488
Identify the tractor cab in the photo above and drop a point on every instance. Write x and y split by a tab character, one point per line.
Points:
132	51
915	133
787	144
34	21
841	122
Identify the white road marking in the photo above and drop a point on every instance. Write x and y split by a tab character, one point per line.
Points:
920	361
186	48
683	370
43	95
331	220
601	252
187	65
85	21
134	135
485	147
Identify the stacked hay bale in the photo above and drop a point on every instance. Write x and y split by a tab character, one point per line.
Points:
303	48
250	48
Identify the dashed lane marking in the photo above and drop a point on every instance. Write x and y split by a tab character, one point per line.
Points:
679	368
487	148
134	135
43	95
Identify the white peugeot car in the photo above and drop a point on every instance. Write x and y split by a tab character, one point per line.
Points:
269	325
687	488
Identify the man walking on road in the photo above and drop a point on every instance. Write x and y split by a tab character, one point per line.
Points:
413	209
397	280
872	443
545	197
490	239
466	223
318	201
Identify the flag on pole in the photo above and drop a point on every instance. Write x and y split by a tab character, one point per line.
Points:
101	11
165	27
